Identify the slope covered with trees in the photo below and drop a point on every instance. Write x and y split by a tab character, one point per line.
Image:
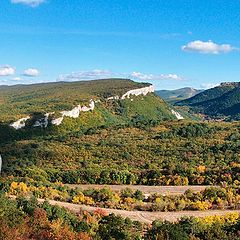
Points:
151	153
20	100
223	100
27	219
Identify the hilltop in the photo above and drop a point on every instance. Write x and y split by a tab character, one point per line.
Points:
220	101
20	100
78	106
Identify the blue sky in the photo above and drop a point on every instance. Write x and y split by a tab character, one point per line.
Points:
171	44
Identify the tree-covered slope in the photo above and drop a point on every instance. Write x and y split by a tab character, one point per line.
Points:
36	100
19	100
221	100
170	153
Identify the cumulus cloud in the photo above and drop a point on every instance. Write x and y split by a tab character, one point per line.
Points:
208	47
31	72
101	74
142	76
7	71
31	3
209	85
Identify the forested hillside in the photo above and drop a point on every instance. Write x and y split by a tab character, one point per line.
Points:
144	152
20	100
223	100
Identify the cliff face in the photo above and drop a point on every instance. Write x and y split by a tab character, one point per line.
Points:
139	91
114	103
75	112
20	123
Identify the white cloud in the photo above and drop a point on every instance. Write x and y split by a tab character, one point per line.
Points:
86	75
101	74
208	47
7	71
31	3
31	72
209	85
142	76
16	79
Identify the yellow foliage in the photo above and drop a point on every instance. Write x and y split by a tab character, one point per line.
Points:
200	205
88	201
201	169
116	198
81	199
228	218
14	185
185	181
18	188
128	200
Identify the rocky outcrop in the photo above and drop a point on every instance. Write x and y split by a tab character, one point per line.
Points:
177	114
90	108
57	121
140	91
74	113
43	122
113	98
20	123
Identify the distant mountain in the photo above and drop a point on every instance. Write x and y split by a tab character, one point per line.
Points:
223	100
178	94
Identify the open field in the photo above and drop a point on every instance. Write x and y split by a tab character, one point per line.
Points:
163	190
143	216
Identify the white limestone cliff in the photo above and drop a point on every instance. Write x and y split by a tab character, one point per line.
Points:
177	114
140	91
57	121
74	113
20	123
90	108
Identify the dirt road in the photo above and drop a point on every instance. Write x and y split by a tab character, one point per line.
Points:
167	190
142	216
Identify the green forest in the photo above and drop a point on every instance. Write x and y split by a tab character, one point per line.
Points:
26	219
141	152
135	141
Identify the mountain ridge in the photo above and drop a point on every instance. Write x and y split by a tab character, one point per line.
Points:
223	100
173	96
77	107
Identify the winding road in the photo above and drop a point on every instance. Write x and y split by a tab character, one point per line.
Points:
143	216
163	190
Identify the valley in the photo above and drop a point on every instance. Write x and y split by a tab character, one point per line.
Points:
119	120
118	151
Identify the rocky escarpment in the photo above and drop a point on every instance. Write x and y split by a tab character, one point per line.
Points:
135	92
20	123
44	122
76	111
